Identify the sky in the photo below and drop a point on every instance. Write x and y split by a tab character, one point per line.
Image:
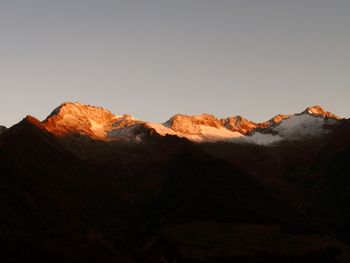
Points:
155	58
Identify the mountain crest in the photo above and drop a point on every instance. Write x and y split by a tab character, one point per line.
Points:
99	123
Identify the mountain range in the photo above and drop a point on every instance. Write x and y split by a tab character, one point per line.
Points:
85	185
101	124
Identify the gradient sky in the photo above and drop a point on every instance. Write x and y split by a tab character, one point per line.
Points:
153	59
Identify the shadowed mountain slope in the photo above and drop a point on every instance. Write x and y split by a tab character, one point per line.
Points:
75	197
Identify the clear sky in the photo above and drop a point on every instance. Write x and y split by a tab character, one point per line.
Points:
155	58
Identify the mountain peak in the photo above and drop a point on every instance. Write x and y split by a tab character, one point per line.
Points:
32	120
318	111
74	117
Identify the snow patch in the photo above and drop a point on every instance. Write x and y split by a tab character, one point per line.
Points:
258	138
216	134
205	133
262	139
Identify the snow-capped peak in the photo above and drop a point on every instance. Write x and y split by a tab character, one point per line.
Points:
312	122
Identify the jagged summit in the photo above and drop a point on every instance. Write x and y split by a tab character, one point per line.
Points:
99	123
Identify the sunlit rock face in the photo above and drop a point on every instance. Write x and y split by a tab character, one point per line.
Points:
239	124
82	119
94	122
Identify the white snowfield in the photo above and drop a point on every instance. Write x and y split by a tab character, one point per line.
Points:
303	125
260	138
203	134
103	124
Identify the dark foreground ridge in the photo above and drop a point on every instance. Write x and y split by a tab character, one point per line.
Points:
74	198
